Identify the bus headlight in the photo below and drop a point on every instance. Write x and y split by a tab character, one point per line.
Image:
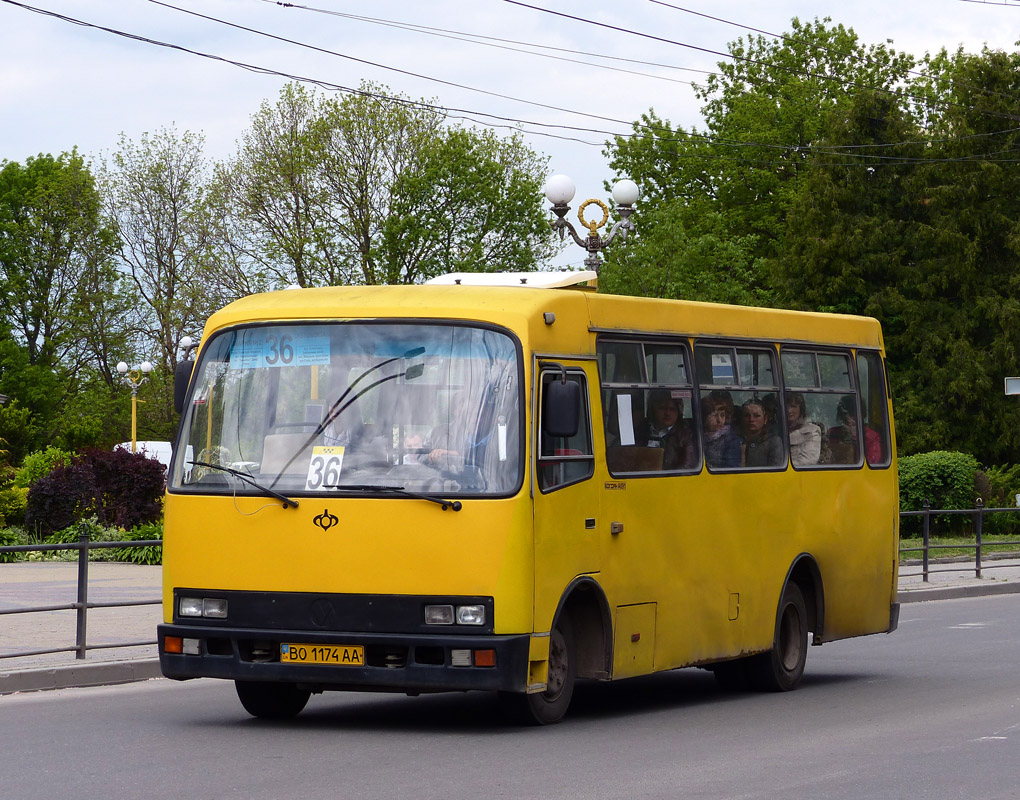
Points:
448	615
212	607
470	615
438	615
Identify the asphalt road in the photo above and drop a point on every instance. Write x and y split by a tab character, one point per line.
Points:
932	711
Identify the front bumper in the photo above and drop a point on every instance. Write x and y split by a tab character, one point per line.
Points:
393	662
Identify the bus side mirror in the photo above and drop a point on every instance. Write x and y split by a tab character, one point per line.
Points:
561	408
182	376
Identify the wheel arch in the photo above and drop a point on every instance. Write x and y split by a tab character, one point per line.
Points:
805	573
585	603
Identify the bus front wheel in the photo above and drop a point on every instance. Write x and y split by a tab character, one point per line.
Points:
548	707
781	668
271	700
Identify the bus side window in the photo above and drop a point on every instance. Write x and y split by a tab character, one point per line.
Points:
743	422
874	409
563	460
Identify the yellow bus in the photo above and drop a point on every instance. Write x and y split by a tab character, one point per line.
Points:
512	482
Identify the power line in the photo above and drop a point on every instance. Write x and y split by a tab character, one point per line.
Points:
472	36
468	114
408	73
503	43
541	105
795	39
757	62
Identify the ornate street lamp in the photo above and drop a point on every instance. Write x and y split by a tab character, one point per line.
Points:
559	190
134	378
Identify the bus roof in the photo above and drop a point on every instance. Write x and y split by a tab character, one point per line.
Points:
577	312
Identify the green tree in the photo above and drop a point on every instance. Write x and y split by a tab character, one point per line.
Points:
473	205
374	188
729	187
156	190
961	312
270	208
910	214
52	232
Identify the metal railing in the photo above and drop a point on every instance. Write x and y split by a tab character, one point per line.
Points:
978	516
82	605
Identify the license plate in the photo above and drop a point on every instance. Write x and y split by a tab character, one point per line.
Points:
349	655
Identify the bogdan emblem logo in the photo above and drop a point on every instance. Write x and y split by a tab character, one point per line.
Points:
325	520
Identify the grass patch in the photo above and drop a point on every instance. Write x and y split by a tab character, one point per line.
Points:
959	546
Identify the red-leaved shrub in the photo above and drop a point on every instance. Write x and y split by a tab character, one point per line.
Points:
122	489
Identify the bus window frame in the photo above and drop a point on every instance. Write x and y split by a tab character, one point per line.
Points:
886	432
180	444
850	353
606	388
772	347
556	373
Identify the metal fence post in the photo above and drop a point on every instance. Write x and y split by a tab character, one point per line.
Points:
925	534
83	591
977	536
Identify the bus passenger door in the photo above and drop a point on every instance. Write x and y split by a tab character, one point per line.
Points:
566	498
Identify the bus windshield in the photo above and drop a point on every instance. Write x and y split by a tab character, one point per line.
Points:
353	407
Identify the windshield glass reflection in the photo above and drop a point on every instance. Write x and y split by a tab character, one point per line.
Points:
339	408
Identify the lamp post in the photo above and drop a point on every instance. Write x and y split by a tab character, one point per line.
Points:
559	190
134	378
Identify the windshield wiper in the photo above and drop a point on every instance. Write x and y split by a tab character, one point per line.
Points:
339	407
456	505
249	480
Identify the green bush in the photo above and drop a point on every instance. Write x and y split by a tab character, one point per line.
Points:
10	537
96	533
944	479
13	501
149	554
998	487
40	464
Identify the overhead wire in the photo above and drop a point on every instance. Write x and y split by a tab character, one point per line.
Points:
502	43
408	26
502	120
796	40
754	61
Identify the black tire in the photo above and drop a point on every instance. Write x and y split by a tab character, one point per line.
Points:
781	668
271	700
550	706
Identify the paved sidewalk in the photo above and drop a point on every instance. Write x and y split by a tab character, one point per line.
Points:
55	583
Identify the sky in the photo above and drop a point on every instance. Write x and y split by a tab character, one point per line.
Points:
568	75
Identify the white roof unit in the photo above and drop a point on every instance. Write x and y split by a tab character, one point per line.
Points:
534	280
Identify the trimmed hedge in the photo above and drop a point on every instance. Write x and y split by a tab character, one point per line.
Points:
946	480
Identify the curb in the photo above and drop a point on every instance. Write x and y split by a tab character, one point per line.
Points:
79	675
956	592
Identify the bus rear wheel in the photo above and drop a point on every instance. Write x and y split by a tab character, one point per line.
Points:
271	700
781	668
548	707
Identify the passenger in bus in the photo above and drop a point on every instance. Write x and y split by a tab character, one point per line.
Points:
762	448
722	444
805	436
844	440
668	429
771	405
